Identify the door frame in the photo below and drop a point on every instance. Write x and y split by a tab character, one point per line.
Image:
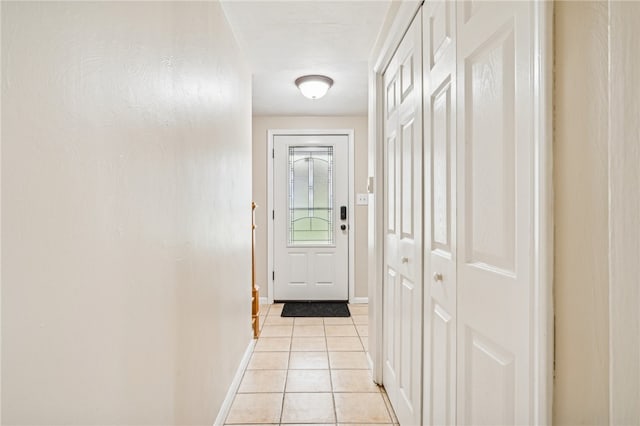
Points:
380	60
271	133
624	296
542	284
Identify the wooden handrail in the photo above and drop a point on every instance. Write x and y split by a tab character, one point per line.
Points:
255	290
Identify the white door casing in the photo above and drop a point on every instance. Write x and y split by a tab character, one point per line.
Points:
381	56
310	265
402	288
624	216
439	72
495	200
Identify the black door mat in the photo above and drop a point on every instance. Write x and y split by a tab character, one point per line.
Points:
315	309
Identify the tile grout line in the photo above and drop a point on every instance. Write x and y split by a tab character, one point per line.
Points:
333	394
286	378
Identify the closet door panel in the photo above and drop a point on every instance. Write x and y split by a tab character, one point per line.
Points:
440	210
494	221
403	287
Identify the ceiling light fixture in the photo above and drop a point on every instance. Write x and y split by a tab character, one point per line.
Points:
314	86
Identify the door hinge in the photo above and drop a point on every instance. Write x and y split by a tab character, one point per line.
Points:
273	275
273	153
273	214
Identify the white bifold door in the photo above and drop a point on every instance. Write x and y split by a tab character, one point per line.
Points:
310	217
479	198
439	63
496	318
402	305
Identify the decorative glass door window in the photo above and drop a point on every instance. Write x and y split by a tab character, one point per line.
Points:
311	195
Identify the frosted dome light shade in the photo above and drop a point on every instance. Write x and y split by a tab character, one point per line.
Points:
314	86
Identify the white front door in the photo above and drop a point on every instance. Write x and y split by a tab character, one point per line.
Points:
402	294
311	217
495	203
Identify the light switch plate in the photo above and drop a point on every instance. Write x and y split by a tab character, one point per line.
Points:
362	199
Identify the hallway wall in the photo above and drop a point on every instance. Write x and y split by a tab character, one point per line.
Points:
261	125
126	130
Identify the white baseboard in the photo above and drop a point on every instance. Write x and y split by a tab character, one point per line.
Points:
264	301
235	384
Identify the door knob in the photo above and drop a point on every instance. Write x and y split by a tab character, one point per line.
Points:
437	276
343	227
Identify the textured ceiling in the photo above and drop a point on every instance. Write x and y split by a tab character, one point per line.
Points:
286	39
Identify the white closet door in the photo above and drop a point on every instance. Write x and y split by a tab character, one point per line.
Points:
402	308
495	165
439	65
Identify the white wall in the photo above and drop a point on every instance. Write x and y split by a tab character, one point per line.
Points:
261	124
126	128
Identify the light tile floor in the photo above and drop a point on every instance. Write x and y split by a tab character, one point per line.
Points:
310	371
